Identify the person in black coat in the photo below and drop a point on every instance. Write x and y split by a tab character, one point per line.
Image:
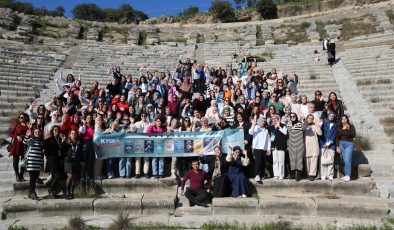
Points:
331	52
217	171
55	158
279	145
241	123
73	161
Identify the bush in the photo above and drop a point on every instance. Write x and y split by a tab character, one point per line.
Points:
362	143
267	9
189	12
122	222
222	10
90	12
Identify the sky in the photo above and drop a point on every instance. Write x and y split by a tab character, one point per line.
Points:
153	8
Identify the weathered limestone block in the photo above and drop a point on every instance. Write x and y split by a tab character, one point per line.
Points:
267	35
28	26
151	36
74	30
133	37
312	33
192	38
248	34
7	18
94	33
333	30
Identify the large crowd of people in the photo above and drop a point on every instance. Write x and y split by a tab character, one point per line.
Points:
287	134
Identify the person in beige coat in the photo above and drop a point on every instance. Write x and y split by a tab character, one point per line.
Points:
312	146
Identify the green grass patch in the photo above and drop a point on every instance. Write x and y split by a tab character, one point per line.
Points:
320	28
42	23
142	39
390	14
362	143
17	227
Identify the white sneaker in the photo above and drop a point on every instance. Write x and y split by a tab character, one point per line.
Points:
173	175
275	177
257	178
323	178
346	178
244	196
330	178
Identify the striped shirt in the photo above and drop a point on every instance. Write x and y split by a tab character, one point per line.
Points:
35	158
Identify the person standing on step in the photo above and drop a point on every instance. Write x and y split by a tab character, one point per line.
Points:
35	158
141	127
312	131
73	161
279	145
261	146
55	158
331	52
18	148
196	193
327	146
296	147
158	126
345	144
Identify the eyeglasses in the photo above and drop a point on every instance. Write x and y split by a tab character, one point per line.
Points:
21	117
274	96
55	115
280	82
293	116
40	118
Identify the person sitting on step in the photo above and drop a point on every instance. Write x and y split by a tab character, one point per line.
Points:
196	193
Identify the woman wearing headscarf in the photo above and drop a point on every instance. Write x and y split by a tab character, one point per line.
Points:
296	146
236	160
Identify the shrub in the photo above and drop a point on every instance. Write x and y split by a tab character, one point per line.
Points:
267	9
122	222
362	143
189	12
17	227
222	10
76	222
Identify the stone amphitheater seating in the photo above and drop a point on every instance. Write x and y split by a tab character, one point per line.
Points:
22	75
95	59
372	71
295	59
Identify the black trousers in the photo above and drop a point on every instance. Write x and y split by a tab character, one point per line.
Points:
196	196
259	164
88	158
33	178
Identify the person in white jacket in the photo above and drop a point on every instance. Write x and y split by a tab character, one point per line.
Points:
261	146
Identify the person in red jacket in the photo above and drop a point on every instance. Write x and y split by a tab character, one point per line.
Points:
69	123
18	149
196	194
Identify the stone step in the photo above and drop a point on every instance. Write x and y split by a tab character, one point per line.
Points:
118	186
138	204
324	206
6	167
359	187
197	222
6	192
7	175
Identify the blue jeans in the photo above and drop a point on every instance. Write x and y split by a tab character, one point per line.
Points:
347	153
109	163
125	167
154	166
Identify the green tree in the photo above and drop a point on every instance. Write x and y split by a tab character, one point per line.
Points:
140	16
6	3
267	9
189	12
88	11
23	7
58	11
111	15
222	10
